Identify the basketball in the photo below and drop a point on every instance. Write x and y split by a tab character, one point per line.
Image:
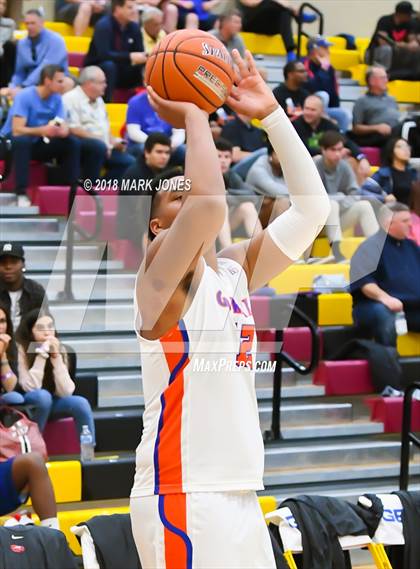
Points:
193	66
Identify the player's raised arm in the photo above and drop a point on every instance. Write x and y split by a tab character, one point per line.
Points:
185	222
289	235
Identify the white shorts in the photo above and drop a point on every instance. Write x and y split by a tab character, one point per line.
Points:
206	530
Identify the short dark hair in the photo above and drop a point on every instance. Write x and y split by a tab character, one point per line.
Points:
35	12
330	138
156	138
387	154
116	3
49	71
223	145
289	68
228	15
165	175
404	8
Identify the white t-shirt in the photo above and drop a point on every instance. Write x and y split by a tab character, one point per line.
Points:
201	425
15	314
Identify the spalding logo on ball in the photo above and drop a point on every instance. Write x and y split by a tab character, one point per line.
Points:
193	66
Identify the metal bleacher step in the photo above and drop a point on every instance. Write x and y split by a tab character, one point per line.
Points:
7	199
304	415
37	225
15	211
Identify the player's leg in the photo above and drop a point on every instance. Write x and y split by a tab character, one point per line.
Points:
148	531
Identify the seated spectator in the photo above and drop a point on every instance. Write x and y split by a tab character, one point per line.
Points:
230	24
8	360
25	476
242	203
88	121
80	13
244	137
7	46
385	276
36	123
117	48
18	294
312	124
376	113
152	28
40	48
194	14
272	17
323	81
291	94
341	185
169	10
44	374
396	177
266	176
400	27
133	214
142	120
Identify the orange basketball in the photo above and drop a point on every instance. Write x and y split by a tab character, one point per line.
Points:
193	66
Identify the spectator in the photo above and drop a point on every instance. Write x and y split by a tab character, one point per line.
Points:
396	177
143	120
152	28
44	373
80	13
400	28
133	214
40	48
312	124
25	476
291	94
341	185
375	114
88	121
7	46
244	136
242	203
272	17
18	294
8	359
117	48
230	24
39	132
194	14
169	10
385	276
323	81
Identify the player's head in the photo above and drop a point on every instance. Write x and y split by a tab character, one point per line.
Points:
157	151
403	12
332	146
225	153
167	198
395	219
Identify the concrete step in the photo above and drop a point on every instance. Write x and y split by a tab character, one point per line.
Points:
7	199
36	225
53	258
309	415
15	211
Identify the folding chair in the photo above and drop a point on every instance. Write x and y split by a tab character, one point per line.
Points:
291	538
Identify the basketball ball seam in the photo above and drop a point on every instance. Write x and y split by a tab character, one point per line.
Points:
203	56
192	84
163	75
151	69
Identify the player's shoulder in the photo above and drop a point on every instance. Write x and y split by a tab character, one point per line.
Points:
232	271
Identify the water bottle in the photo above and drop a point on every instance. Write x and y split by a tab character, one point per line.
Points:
86	445
400	324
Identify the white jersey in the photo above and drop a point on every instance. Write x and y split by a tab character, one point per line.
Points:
201	430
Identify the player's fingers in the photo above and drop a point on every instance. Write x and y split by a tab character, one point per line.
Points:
241	64
235	93
250	62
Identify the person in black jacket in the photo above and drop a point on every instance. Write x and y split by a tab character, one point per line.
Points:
291	95
117	48
19	294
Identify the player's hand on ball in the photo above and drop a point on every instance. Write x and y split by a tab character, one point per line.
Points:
250	95
173	112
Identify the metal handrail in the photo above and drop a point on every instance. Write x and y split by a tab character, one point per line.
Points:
72	228
300	24
407	435
274	434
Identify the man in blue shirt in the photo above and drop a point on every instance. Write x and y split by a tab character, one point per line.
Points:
143	120
385	277
42	47
38	130
117	48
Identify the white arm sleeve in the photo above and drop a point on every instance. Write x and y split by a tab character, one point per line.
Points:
296	228
135	134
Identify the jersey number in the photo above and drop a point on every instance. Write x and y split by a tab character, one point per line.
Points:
244	356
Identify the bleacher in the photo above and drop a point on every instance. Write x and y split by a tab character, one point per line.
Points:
340	438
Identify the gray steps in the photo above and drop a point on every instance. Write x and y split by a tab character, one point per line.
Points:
38	225
7	199
53	258
314	415
94	318
16	211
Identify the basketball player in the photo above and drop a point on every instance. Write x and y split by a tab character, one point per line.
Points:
201	457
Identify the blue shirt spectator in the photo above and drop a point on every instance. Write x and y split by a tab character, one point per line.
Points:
42	47
36	110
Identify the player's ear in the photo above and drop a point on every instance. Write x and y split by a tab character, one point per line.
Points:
155	226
